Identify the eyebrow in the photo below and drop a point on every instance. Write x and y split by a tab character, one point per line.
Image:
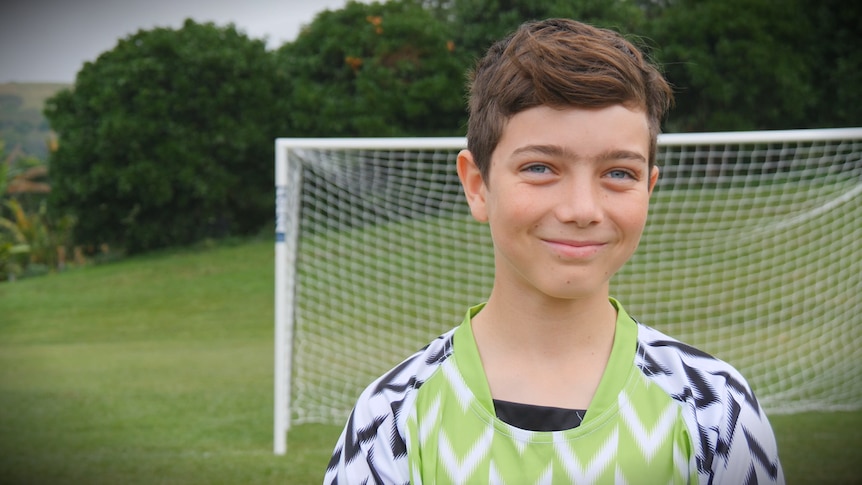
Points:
560	152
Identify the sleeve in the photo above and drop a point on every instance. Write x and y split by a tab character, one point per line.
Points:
732	440
363	454
372	448
744	450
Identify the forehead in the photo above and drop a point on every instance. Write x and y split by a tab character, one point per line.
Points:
575	132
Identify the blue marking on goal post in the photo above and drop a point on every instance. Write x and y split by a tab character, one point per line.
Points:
280	213
286	226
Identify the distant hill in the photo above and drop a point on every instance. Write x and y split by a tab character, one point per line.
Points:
23	127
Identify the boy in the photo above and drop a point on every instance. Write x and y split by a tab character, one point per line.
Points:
551	381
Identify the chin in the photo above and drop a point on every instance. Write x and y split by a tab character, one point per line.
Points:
574	292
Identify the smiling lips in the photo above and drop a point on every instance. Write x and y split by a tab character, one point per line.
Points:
572	249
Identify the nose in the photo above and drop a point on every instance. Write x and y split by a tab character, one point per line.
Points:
579	202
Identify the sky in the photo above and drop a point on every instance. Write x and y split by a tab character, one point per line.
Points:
50	40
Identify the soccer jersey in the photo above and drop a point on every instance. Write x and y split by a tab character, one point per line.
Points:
664	412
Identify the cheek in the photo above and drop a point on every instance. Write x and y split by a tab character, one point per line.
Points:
634	219
514	210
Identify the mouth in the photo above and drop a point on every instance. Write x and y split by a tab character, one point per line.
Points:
574	249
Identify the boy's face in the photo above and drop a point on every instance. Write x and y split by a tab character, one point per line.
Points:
566	198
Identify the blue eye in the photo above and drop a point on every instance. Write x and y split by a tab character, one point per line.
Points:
538	169
619	174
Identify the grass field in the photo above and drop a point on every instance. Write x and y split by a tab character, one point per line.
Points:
158	369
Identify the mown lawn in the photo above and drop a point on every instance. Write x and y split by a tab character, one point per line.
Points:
158	369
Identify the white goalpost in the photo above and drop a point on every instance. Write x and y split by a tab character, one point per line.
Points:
751	253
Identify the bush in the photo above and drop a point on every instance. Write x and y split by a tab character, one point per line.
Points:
168	139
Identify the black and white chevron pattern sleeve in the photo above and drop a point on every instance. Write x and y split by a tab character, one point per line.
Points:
734	442
372	448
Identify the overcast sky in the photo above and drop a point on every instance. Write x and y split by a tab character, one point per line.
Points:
49	40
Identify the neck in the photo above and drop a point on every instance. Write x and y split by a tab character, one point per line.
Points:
546	326
545	351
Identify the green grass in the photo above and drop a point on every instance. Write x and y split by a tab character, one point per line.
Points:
154	369
158	369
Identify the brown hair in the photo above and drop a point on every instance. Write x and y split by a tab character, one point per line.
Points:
560	63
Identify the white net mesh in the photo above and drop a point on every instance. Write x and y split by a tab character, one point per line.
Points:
751	253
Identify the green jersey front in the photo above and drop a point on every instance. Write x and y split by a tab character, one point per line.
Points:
633	431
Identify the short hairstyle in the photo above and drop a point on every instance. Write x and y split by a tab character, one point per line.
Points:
559	63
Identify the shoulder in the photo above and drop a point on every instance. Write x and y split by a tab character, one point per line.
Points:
731	434
690	372
387	395
372	443
410	374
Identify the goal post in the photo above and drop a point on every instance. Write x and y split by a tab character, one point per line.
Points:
288	177
751	252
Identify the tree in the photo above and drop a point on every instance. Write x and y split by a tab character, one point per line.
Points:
836	61
168	138
374	70
736	64
480	23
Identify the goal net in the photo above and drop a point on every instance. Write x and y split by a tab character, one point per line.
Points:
751	253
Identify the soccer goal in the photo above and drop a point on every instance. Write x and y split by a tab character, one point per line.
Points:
752	252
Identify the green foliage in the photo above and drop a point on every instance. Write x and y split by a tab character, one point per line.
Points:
479	23
836	61
28	239
374	70
734	64
32	241
168	139
26	180
742	72
14	251
4	170
759	64
11	256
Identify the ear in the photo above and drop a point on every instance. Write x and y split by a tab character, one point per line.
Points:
653	178
473	184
